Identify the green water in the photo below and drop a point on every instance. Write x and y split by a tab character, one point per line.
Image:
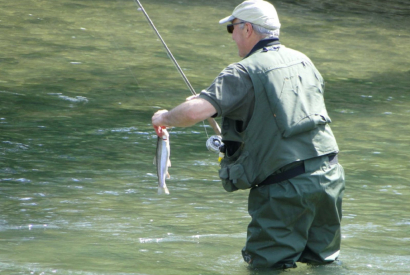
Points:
79	82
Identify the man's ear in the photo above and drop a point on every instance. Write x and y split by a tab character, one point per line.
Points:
249	29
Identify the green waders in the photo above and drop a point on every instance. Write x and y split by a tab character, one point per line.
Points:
297	220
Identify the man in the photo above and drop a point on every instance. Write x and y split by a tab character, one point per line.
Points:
278	142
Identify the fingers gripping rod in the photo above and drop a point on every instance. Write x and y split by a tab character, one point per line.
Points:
211	121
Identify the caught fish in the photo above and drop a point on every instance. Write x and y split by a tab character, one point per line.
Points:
161	160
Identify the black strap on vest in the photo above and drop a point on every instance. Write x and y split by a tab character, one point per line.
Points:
293	172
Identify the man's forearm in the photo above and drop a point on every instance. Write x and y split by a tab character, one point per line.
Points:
186	114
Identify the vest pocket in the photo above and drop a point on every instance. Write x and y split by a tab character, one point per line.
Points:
306	124
233	174
296	100
238	177
226	183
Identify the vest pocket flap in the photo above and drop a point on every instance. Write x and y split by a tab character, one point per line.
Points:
306	124
238	177
236	172
223	173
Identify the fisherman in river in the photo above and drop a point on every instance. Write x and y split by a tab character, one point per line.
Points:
278	143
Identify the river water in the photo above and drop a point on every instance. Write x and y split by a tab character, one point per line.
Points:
79	82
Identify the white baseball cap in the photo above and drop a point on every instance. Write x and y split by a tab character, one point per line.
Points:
258	12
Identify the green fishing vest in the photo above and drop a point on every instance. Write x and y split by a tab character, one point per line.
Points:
289	121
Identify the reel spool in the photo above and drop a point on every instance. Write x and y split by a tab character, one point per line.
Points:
213	143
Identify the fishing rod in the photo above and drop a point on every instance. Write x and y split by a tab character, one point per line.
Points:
211	121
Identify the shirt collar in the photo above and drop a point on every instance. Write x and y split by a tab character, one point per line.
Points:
264	43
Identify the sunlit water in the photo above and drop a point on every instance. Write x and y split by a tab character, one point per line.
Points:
79	81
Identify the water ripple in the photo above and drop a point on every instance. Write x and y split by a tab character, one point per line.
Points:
193	238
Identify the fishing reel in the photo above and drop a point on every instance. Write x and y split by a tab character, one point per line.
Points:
214	143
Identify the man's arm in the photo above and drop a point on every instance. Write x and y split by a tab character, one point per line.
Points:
186	114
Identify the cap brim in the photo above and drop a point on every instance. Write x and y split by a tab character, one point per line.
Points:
227	19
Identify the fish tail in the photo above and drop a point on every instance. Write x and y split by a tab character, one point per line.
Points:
163	190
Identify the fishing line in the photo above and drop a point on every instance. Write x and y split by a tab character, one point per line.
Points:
128	67
113	40
166	48
211	121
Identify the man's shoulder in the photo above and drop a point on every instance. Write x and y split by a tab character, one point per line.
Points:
233	70
280	56
235	67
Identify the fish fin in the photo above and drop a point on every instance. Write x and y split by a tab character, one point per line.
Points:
163	190
169	163
168	176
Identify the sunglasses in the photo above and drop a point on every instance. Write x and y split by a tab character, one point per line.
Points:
230	27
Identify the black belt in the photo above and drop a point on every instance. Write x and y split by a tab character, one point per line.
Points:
292	172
